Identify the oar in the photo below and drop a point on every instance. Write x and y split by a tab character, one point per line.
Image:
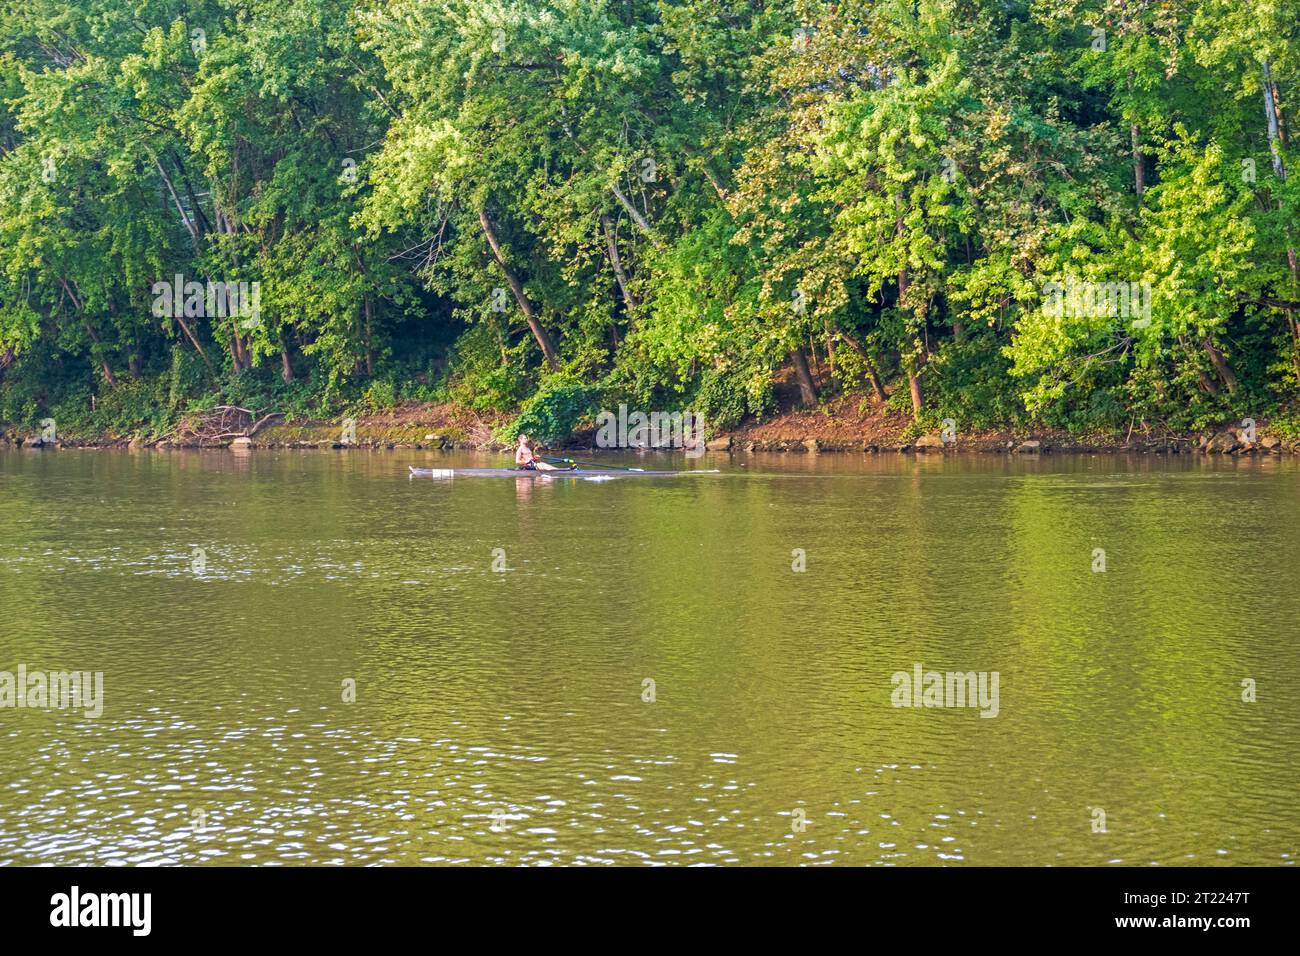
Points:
589	464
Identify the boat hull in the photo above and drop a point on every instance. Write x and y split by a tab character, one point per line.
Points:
529	473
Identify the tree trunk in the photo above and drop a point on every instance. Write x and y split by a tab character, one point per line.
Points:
286	362
1207	384
1139	173
1135	144
517	287
1279	170
238	351
912	365
876	385
1220	365
200	217
98	347
807	388
714	181
873	374
189	334
1295	340
914	386
1270	115
616	263
501	342
370	348
634	213
830	354
191	226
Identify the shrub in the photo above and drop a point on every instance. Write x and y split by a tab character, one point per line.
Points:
967	381
722	400
554	411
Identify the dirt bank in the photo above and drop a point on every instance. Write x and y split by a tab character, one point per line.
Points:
845	425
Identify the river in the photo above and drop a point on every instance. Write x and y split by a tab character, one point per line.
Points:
308	658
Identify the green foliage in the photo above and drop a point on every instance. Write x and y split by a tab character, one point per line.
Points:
1287	427
966	380
133	408
724	400
489	203
553	411
380	393
482	380
185	376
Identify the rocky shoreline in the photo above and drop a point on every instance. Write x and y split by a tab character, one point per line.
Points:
330	436
1227	442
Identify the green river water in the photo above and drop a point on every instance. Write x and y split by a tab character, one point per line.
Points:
502	715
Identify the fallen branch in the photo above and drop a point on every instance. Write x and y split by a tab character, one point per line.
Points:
221	422
266	418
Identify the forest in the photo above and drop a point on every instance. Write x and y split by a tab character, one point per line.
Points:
1073	214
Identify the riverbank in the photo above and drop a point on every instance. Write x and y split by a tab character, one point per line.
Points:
845	426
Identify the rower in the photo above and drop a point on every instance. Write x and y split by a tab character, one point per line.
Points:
527	460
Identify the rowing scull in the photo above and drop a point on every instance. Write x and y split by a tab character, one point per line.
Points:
558	473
